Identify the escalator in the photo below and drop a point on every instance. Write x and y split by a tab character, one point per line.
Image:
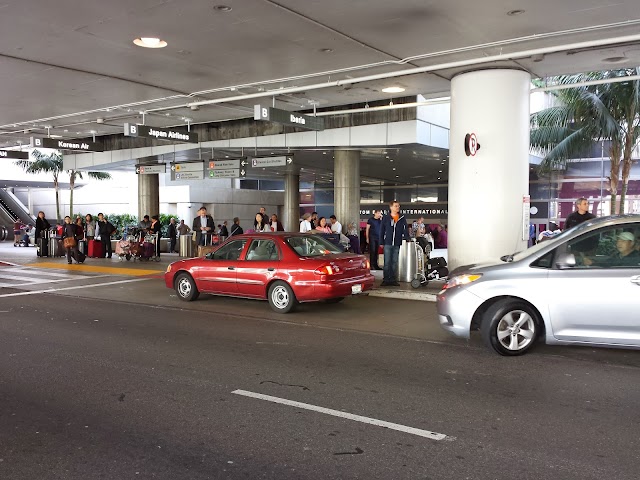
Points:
12	210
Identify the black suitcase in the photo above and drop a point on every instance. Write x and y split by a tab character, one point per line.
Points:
83	247
43	247
80	257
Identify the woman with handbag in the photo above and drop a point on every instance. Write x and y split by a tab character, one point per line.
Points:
70	240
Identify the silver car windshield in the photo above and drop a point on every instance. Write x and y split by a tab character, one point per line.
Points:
312	246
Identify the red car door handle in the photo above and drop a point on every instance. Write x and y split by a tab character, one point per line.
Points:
270	269
231	268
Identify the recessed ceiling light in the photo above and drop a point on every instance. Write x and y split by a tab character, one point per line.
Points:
397	176
326	50
150	42
393	168
439	171
222	8
615	59
393	89
514	13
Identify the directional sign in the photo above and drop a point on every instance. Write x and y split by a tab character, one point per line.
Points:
228	173
172	134
14	154
189	176
271	161
285	117
150	169
75	145
188	167
223	164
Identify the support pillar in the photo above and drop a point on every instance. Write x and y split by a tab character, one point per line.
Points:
148	195
346	191
486	190
291	202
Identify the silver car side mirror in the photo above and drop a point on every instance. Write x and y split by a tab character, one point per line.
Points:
566	260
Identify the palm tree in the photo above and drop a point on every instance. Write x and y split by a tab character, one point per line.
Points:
45	163
587	114
73	174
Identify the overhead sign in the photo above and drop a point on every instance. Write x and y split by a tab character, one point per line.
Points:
74	145
150	169
228	173
171	134
187	171
282	161
285	117
224	164
187	167
14	154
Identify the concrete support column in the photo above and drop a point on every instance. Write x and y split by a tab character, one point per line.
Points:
148	195
291	202
486	189
346	190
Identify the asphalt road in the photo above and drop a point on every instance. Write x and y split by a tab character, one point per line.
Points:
125	381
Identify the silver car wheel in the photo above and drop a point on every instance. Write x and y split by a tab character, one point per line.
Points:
280	297
184	287
516	330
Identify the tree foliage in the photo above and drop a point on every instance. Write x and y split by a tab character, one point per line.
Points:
587	114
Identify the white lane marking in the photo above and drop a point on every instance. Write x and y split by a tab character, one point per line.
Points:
348	416
53	290
25	282
41	271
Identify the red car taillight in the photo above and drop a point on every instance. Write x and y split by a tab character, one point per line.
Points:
327	270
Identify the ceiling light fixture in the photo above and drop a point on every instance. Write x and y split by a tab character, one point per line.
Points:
393	89
515	13
222	8
326	50
150	42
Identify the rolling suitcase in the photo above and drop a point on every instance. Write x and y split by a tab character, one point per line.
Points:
82	246
95	249
80	257
148	250
56	248
43	247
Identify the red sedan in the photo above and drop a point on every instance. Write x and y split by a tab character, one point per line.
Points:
284	268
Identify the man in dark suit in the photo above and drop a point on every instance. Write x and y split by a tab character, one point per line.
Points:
203	226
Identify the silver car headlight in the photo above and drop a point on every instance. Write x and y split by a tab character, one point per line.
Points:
460	280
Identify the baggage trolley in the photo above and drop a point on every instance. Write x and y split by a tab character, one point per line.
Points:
148	248
422	260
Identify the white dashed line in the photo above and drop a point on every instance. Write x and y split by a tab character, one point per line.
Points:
348	416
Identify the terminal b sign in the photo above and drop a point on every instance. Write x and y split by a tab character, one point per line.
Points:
285	117
14	155
170	134
59	144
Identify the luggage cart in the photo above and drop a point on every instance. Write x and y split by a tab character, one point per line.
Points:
421	278
148	248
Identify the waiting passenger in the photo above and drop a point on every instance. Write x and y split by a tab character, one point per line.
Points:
260	225
322	226
305	224
236	229
276	226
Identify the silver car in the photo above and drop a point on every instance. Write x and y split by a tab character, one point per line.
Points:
579	288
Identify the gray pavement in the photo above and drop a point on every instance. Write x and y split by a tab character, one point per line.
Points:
111	376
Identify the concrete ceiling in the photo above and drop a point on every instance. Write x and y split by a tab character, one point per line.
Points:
64	64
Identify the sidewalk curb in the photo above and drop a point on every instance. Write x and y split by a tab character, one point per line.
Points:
403	294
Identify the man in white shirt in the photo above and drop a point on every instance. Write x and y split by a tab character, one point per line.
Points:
336	226
305	224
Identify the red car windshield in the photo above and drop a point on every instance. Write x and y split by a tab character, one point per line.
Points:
313	246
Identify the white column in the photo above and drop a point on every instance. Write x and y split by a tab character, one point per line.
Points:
486	190
346	187
291	218
148	195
